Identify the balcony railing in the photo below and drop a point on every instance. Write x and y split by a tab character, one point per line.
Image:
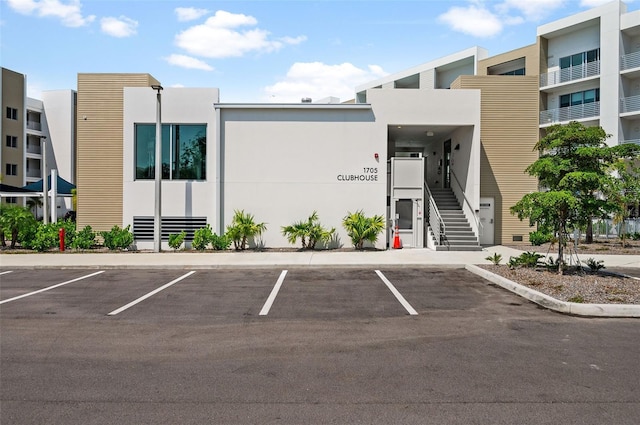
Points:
630	104
34	173
589	69
34	125
630	61
570	113
34	148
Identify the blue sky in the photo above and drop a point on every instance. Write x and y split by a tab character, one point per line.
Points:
260	50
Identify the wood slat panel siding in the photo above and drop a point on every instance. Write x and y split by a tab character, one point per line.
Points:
99	146
509	131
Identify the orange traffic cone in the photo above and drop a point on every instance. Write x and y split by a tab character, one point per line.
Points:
396	240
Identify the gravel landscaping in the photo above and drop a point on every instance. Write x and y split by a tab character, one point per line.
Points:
578	285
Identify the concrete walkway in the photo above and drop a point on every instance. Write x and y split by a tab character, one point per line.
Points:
191	259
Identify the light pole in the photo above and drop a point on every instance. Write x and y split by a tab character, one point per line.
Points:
157	216
45	189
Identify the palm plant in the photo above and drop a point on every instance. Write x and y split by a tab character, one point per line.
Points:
242	228
14	218
361	228
310	232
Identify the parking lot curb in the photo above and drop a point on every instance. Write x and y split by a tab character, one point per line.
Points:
546	301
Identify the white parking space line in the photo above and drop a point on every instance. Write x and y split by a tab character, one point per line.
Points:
51	287
273	294
398	295
8	271
150	294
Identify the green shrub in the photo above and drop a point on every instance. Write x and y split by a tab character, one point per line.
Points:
220	243
85	239
526	259
310	232
361	228
176	240
202	238
635	236
594	266
243	227
495	258
117	238
539	237
44	238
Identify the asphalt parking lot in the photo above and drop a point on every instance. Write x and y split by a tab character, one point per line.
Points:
334	345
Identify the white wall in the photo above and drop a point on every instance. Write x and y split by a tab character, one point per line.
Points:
59	113
179	197
281	165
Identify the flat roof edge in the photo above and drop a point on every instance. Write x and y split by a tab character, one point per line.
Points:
354	106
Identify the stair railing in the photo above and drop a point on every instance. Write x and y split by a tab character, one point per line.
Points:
435	219
479	227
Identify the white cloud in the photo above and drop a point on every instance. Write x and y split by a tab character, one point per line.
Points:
119	27
188	62
189	13
532	10
318	80
473	20
219	37
594	3
69	13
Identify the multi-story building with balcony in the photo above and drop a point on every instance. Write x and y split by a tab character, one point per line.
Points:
439	149
29	126
590	71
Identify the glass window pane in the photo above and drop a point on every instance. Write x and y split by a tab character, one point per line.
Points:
565	62
145	146
592	55
190	152
577	59
576	98
589	96
404	209
564	100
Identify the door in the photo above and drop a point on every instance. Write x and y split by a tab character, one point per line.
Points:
487	231
410	221
447	164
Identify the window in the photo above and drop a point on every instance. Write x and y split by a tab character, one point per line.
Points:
12	142
520	71
11	170
12	113
184	151
12	200
578	98
580	58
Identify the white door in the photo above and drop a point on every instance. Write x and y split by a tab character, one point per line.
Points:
487	221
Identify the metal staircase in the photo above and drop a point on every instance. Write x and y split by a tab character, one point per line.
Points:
458	235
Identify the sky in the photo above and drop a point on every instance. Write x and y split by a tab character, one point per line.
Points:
259	50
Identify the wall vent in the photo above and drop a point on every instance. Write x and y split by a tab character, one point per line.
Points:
143	227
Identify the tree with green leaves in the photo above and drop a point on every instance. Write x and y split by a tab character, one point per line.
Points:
573	169
13	219
624	189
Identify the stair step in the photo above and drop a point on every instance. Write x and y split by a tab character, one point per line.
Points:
458	248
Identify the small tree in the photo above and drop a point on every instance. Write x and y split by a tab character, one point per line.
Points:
13	219
573	168
624	189
310	232
243	227
361	228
